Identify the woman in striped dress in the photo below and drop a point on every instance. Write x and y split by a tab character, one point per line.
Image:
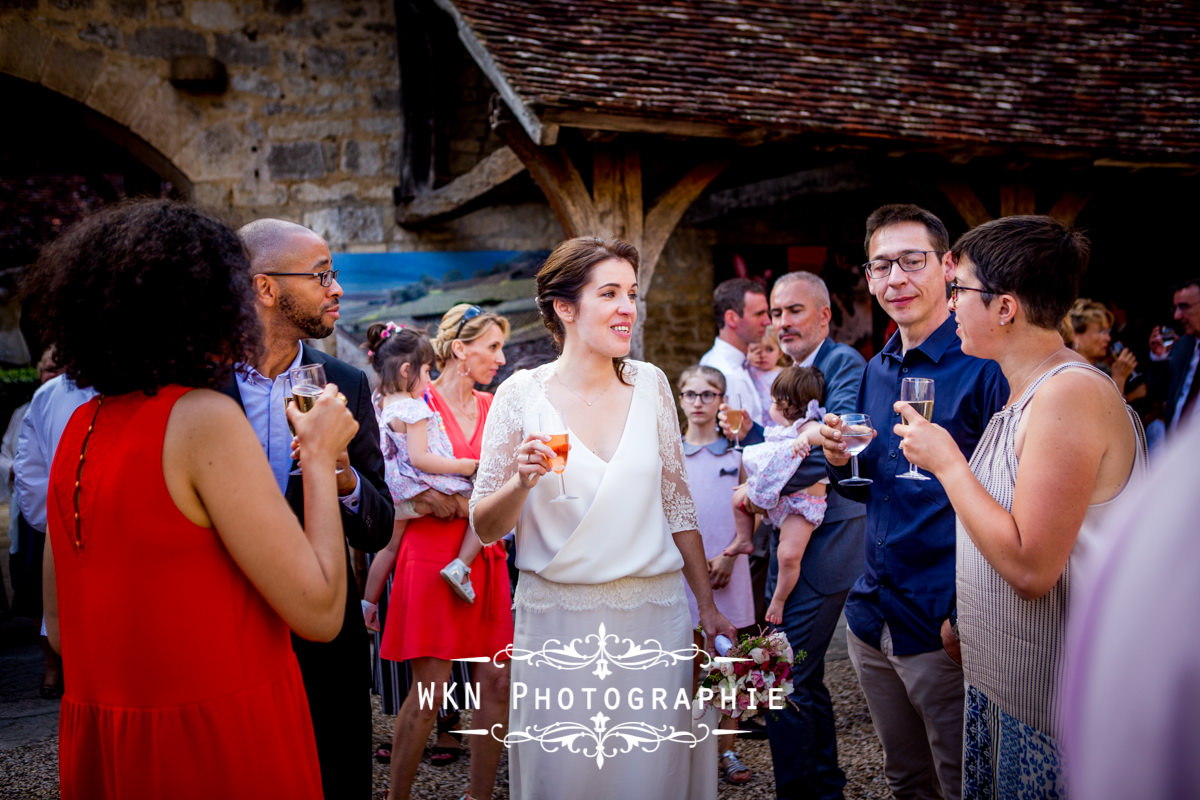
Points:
1050	463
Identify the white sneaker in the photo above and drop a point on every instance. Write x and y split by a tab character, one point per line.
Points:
458	575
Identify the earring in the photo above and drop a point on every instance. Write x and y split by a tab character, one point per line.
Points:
1002	322
462	369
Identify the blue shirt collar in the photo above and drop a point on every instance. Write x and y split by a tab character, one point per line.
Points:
934	346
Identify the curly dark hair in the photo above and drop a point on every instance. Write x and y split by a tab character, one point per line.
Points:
393	347
143	294
794	387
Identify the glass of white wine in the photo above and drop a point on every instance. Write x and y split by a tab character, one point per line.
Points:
735	418
303	386
918	393
857	432
554	425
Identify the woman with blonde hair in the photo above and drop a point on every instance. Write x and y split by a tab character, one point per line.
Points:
600	550
427	624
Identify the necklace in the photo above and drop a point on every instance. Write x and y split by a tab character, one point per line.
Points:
586	402
1031	373
79	477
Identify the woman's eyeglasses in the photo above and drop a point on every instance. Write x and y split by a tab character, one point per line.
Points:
468	315
956	287
704	397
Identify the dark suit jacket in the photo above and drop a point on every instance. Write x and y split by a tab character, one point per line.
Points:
337	674
833	559
1181	357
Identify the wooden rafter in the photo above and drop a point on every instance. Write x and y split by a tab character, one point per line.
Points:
489	173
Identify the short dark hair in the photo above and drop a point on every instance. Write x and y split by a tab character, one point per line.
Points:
143	294
1037	259
794	387
731	295
896	213
1190	282
391	347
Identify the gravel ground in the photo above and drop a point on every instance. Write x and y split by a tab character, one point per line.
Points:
30	772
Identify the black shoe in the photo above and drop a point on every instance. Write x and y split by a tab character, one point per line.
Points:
751	729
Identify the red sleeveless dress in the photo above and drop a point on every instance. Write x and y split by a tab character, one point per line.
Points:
180	679
425	617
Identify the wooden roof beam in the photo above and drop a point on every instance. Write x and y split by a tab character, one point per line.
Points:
488	174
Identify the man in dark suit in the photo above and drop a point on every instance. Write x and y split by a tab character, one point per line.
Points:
803	743
1184	373
297	298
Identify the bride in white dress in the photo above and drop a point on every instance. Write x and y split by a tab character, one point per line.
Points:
602	656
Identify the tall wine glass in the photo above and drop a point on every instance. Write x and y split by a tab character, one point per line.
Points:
735	418
856	435
553	424
303	386
918	393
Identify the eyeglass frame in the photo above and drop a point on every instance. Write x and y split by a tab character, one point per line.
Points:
956	287
325	276
714	396
895	262
468	315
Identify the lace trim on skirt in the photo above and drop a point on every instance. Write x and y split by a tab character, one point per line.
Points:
624	594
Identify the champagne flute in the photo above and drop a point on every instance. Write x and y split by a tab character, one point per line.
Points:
856	435
303	386
918	393
735	418
554	425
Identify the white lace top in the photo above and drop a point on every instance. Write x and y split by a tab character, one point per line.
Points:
628	508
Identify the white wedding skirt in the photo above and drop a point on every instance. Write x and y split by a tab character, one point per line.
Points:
601	691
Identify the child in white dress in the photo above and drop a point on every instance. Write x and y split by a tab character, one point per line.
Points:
417	455
795	406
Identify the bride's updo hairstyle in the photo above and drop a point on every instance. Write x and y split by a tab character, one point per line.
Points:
463	323
568	270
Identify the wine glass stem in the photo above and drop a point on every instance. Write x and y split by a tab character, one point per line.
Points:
854	466
562	482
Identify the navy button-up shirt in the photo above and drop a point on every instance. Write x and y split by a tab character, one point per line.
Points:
908	577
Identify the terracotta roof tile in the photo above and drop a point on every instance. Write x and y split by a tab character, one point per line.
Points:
1116	78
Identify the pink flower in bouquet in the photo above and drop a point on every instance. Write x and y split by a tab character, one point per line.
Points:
757	663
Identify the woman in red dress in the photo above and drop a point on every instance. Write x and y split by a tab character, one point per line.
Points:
177	566
428	624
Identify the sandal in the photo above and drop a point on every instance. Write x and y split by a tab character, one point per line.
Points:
732	770
458	575
51	691
444	756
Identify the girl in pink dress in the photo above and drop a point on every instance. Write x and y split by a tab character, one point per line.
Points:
417	454
795	397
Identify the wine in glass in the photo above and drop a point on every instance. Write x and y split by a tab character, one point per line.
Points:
856	435
554	425
735	418
303	386
918	393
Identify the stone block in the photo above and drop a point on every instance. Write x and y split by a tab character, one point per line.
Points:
343	225
211	195
379	124
283	7
70	71
295	161
254	83
167	43
311	129
325	62
304	29
289	62
391	157
132	9
344	191
216	152
73	5
361	158
166	119
329	153
259	194
170	9
215	16
102	34
385	100
120	89
23	49
235	48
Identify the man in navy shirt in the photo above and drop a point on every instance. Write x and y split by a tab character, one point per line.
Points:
895	610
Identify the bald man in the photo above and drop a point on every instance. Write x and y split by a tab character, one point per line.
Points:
297	297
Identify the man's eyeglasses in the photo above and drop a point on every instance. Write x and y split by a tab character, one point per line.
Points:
880	268
704	397
326	277
956	287
468	315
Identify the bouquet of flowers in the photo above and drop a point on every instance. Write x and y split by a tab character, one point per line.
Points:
753	675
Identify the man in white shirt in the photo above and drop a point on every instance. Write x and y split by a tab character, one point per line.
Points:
740	306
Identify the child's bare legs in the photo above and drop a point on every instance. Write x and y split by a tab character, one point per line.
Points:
794	533
743	525
458	572
381	567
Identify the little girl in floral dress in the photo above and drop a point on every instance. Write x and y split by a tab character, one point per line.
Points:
417	454
795	406
764	357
